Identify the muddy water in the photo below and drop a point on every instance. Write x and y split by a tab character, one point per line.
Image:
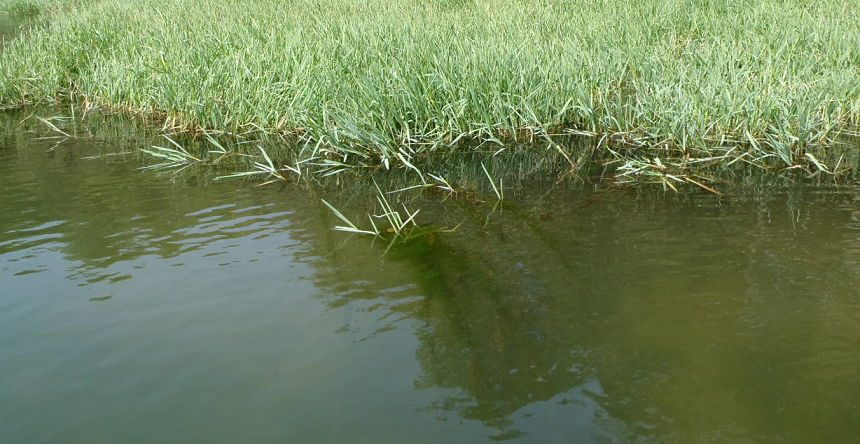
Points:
137	307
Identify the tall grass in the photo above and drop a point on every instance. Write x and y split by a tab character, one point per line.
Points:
36	6
376	81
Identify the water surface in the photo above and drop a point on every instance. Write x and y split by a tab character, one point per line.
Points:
136	307
11	25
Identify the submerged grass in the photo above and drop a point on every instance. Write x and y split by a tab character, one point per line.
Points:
399	229
366	83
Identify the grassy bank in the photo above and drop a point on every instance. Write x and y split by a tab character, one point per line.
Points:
37	6
375	82
24	6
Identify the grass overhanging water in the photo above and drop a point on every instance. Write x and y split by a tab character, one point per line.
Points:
662	89
481	180
789	125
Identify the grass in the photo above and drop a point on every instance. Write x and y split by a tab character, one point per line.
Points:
374	83
36	6
399	230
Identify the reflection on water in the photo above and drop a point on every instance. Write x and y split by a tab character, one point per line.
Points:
134	308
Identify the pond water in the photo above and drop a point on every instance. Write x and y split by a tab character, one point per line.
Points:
11	25
136	307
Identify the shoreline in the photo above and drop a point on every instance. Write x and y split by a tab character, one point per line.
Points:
379	86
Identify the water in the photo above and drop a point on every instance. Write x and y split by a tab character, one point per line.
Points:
12	25
136	308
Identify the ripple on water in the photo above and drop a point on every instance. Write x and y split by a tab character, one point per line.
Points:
640	317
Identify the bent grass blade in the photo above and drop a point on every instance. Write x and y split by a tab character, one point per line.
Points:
351	228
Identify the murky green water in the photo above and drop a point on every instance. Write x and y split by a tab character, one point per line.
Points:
11	25
134	308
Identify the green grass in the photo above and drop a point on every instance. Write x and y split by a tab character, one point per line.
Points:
36	6
374	82
20	7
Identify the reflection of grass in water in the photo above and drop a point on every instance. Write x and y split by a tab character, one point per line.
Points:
475	299
384	82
